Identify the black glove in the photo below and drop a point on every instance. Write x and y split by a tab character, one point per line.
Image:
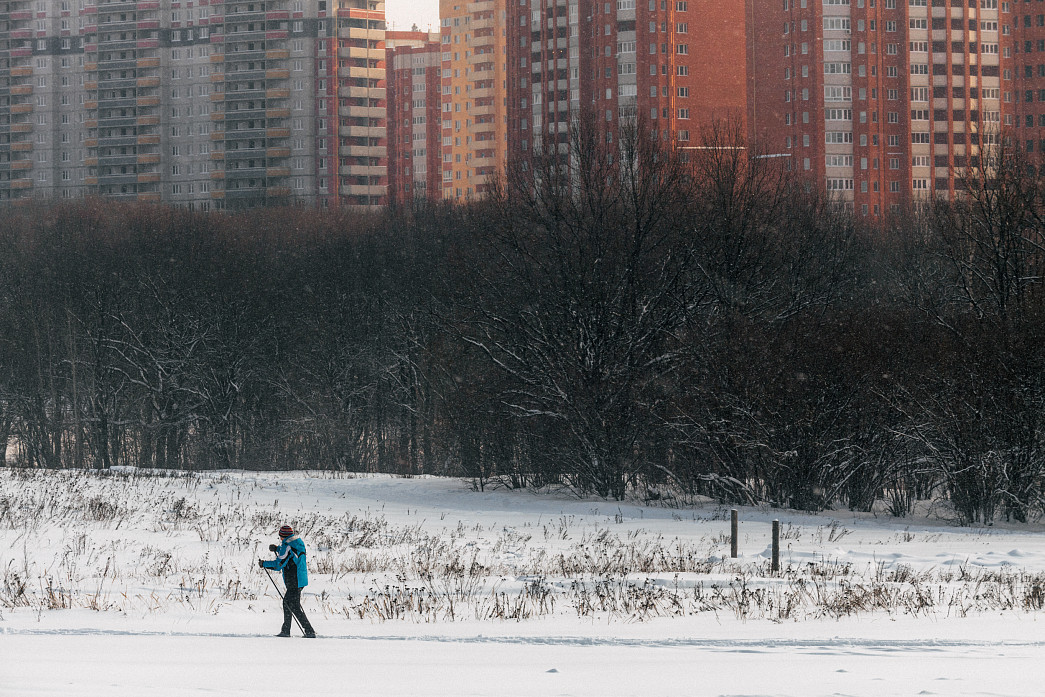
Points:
273	548
261	563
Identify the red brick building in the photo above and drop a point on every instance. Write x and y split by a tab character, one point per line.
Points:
880	102
671	64
1027	29
414	103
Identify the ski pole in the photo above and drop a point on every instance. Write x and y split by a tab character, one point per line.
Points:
280	593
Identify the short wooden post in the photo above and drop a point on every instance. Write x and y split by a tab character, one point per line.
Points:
776	546
733	529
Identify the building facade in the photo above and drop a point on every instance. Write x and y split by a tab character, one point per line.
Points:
474	100
414	106
235	103
353	94
208	104
1028	72
882	103
674	65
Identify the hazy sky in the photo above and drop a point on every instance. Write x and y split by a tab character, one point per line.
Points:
400	14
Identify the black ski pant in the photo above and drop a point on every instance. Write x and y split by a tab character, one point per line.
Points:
292	608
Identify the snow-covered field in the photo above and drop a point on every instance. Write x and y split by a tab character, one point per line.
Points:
137	585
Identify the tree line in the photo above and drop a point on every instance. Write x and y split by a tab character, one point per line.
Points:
624	318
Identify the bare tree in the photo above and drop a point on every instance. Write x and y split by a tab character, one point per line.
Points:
991	236
582	281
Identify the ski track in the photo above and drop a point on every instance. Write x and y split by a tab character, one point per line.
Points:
832	645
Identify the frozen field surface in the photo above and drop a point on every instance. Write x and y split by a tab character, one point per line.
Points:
132	585
115	664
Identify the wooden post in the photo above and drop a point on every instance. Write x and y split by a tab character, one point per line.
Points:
733	529
776	546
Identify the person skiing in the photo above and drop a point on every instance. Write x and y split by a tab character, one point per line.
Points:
291	560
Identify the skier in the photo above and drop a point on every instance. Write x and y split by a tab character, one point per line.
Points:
290	559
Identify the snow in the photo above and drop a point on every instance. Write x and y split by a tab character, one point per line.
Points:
154	608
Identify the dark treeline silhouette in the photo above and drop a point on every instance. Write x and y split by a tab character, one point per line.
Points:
619	317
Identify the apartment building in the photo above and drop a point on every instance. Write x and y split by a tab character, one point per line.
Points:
674	65
881	101
474	99
208	104
414	105
1027	30
354	81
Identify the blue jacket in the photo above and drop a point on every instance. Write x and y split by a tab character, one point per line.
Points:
290	559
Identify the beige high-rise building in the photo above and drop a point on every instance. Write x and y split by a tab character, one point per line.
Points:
474	95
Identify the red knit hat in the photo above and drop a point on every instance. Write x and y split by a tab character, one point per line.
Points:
286	531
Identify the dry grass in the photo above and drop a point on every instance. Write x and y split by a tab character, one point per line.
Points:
149	544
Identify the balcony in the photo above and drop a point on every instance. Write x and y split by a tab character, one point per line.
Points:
366	131
149	178
277	152
363	170
149	139
360	52
369	73
370	112
150	159
277	133
24	146
21	108
361	33
364	190
24	71
277	75
22	89
277	94
364	92
277	192
277	113
363	150
277	172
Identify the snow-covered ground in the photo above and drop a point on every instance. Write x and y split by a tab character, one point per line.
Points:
148	586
